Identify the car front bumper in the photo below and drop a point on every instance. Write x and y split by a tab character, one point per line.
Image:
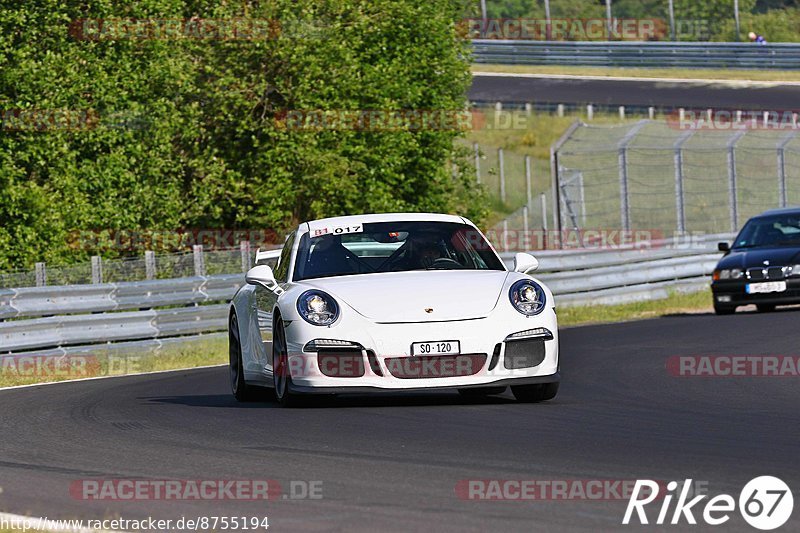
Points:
381	357
733	294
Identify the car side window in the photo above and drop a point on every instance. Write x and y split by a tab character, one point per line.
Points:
282	270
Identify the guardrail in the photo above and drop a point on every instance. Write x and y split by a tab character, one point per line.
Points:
132	314
72	299
638	54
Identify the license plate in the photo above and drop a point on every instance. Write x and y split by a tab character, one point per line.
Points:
436	348
769	286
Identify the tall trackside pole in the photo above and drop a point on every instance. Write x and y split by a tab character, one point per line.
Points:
555	179
672	31
528	180
548	31
782	193
624	193
732	186
680	194
477	162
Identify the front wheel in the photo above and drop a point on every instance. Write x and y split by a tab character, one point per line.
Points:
535	393
282	377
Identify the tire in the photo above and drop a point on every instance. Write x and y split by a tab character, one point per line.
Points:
482	392
281	376
765	308
240	389
721	310
535	393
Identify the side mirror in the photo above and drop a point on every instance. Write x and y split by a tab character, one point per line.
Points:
525	262
267	257
262	275
723	247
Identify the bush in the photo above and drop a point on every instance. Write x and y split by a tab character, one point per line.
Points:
174	133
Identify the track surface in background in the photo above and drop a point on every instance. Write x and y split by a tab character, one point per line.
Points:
392	462
771	96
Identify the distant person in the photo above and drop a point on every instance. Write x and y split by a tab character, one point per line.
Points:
756	38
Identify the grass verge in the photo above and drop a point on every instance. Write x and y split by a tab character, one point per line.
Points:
41	369
682	73
677	302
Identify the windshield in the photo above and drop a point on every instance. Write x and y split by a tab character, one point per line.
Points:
777	230
393	247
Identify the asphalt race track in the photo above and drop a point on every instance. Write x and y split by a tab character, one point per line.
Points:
772	96
392	462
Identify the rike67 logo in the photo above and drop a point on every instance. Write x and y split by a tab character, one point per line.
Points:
765	503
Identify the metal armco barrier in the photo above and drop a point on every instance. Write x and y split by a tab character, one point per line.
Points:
638	54
71	299
66	330
115	313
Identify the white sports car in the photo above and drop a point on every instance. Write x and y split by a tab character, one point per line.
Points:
392	302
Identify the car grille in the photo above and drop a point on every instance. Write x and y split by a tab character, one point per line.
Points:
766	273
435	366
341	363
524	353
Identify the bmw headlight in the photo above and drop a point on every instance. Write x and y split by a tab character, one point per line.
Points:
527	297
793	270
728	273
318	308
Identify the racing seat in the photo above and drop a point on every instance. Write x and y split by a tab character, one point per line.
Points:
329	257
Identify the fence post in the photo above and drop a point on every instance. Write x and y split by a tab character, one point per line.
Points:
622	112
502	175
97	269
477	162
680	195
671	20
41	275
505	235
543	201
555	178
589	112
525	215
528	191
651	113
624	193
150	264
560	110
782	193
244	247
199	260
528	109
732	188
582	198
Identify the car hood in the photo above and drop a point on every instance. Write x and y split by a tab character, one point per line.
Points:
418	296
755	257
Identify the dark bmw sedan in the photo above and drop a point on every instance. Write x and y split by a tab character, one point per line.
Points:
762	266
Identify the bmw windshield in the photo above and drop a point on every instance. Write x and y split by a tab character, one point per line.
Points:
394	247
776	230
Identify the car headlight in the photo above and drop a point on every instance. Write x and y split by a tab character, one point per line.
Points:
318	308
793	270
527	297
728	273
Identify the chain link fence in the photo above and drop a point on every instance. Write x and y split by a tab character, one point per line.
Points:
198	262
655	176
